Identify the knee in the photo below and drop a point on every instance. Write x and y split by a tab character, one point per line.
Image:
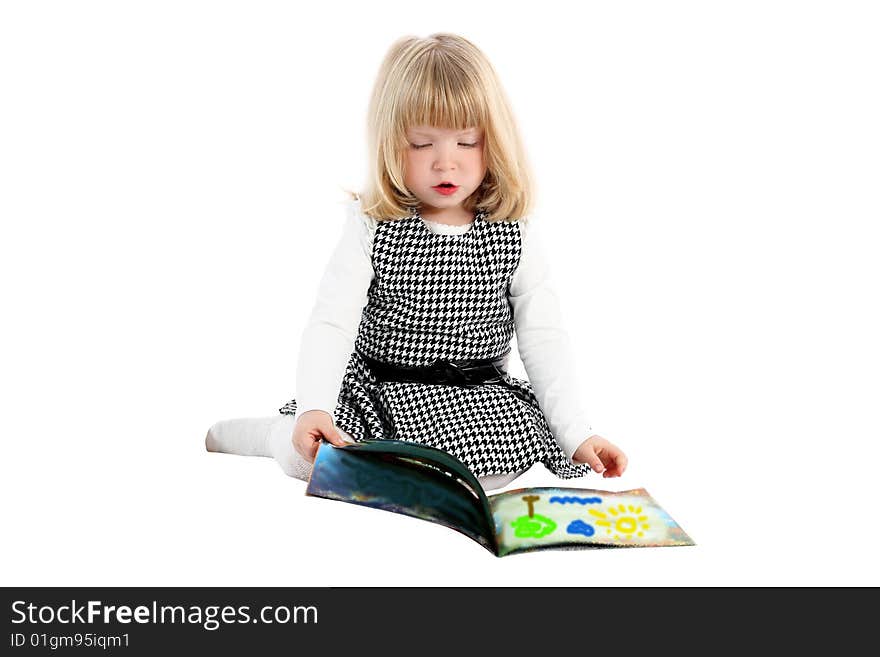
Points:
212	444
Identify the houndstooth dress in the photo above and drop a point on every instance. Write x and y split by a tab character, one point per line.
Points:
445	296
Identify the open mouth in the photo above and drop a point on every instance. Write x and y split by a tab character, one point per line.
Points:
446	188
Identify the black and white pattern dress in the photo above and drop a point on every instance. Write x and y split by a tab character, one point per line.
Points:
445	296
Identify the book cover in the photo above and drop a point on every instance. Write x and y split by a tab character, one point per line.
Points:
432	485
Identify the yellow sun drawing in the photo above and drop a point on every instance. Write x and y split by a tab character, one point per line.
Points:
625	521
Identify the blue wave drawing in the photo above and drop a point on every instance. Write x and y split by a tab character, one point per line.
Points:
576	500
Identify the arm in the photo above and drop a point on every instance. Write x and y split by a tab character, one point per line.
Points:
545	350
328	338
544	345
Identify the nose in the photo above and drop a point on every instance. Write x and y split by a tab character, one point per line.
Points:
444	160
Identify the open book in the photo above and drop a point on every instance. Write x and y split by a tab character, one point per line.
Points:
433	485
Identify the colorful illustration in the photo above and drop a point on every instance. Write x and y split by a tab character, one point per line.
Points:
580	527
575	500
530	500
533	526
625	521
432	485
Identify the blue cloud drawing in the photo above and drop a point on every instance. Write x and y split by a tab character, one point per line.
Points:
580	527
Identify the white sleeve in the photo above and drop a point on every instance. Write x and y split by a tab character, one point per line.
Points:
328	338
544	345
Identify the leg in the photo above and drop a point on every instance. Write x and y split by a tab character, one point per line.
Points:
497	481
260	436
272	437
246	436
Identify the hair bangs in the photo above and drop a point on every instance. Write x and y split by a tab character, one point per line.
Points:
443	95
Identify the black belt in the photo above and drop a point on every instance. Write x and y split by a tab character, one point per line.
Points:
446	372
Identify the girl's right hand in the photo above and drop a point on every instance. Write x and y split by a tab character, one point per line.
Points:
308	431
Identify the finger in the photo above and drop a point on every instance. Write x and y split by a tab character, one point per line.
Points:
617	467
332	436
593	460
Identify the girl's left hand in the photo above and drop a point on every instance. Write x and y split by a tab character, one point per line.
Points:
602	456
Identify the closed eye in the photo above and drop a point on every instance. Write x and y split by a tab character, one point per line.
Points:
419	146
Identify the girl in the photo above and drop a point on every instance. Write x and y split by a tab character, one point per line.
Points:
437	266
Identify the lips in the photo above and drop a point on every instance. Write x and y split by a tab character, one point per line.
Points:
445	188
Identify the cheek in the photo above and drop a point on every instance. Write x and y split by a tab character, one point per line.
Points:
412	164
479	162
408	167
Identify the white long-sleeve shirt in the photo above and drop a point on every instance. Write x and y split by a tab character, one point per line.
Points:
543	343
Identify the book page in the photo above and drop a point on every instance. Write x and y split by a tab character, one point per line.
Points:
403	478
570	518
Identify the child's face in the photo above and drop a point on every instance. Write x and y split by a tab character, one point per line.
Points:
438	155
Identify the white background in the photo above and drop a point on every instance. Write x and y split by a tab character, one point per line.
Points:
170	183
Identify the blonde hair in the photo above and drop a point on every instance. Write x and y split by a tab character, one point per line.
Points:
443	81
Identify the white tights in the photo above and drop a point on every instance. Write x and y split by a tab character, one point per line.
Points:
271	436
